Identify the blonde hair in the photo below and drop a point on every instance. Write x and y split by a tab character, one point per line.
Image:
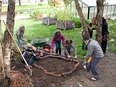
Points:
31	46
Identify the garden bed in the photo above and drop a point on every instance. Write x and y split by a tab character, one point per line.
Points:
65	25
57	65
48	21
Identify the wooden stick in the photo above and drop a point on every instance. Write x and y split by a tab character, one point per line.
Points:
18	48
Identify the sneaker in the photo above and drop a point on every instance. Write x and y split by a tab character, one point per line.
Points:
93	79
84	67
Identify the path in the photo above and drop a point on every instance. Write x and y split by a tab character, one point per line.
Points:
16	17
107	69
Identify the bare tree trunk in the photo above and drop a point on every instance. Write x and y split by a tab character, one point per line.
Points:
99	15
7	38
19	2
3	79
2	73
82	19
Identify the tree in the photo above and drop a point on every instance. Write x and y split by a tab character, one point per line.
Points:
52	2
19	2
82	19
3	79
2	73
67	2
99	15
7	39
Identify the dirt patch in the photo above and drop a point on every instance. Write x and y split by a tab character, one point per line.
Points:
20	79
56	65
107	68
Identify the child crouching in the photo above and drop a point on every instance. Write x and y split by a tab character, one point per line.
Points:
68	46
30	54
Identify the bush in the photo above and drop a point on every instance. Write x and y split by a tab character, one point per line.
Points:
36	15
77	21
63	15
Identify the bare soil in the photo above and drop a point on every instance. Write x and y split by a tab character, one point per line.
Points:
56	65
79	78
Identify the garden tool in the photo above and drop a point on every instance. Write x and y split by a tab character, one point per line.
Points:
87	63
18	48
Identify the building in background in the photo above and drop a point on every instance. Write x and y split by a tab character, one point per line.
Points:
88	7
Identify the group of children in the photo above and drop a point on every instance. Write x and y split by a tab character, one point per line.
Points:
31	54
95	52
68	45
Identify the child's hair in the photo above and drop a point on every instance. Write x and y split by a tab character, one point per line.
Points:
71	41
46	47
93	20
86	37
90	24
31	46
67	42
22	28
57	34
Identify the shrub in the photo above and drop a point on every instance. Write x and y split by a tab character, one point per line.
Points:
36	15
63	15
77	21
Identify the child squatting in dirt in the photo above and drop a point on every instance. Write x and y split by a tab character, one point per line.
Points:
31	54
68	46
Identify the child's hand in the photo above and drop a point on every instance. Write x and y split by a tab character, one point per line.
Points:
51	51
69	56
75	56
41	54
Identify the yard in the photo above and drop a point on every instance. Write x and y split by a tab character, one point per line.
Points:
78	78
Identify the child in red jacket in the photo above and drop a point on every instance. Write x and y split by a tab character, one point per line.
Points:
57	39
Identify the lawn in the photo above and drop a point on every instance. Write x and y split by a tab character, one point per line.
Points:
25	7
112	36
35	30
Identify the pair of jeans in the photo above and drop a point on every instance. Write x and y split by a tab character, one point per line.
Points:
93	67
103	46
31	60
58	48
19	42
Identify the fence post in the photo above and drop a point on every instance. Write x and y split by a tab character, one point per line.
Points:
88	12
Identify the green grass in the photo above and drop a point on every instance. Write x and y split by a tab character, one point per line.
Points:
25	7
112	36
35	30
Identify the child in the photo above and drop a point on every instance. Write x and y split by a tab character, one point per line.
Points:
105	35
94	51
47	50
30	54
68	47
90	30
20	34
57	39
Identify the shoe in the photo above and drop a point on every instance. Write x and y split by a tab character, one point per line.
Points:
84	67
93	79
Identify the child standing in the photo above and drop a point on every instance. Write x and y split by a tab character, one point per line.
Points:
90	30
68	46
57	39
20	34
105	35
